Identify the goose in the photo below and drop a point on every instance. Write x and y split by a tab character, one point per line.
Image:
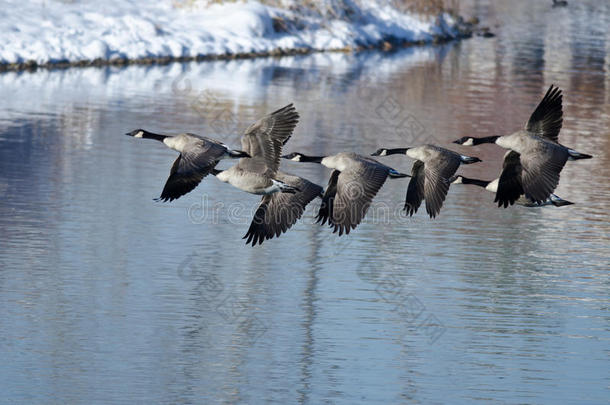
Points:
284	196
198	157
537	157
432	168
353	184
277	212
492	185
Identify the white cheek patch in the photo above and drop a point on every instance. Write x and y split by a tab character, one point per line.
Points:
140	134
469	142
297	158
383	153
493	186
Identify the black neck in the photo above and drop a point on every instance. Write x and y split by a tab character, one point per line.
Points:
216	171
487	139
396	151
313	159
150	135
476	182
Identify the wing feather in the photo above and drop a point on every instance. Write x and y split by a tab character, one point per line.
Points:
325	212
356	188
541	170
510	187
277	212
547	118
264	139
437	173
415	190
191	167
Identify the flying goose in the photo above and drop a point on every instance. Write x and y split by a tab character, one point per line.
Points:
537	158
277	212
353	184
284	196
429	176
492	185
198	157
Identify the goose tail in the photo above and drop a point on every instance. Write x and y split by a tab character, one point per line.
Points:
558	201
577	155
470	159
394	174
237	154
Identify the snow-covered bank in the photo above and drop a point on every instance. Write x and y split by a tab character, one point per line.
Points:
84	32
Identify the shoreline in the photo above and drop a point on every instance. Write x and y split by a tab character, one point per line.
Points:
465	30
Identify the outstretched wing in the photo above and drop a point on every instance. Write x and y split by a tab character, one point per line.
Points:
190	168
264	139
437	173
540	174
277	212
509	185
325	212
415	190
547	118
356	188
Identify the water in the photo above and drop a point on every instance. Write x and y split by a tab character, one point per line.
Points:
110	297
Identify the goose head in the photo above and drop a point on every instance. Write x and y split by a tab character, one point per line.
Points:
137	133
142	133
386	151
465	141
380	152
294	156
459	179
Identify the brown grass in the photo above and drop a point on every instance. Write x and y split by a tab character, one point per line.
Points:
428	7
342	8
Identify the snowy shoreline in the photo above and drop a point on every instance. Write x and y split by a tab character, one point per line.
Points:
116	32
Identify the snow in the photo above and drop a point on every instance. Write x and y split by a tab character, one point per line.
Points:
52	31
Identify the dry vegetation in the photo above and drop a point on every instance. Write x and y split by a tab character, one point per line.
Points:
341	8
428	7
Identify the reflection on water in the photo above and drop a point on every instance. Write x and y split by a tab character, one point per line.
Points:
108	296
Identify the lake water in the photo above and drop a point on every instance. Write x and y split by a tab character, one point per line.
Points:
110	297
